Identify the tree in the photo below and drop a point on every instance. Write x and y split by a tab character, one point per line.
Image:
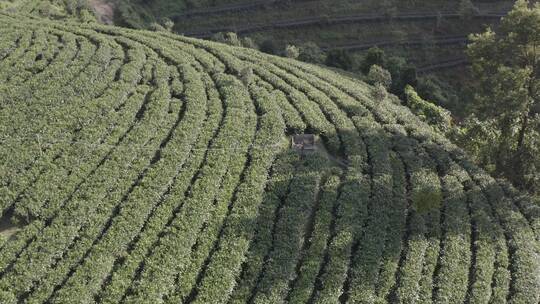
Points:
402	73
249	43
292	51
311	52
379	93
434	115
373	56
340	59
231	38
379	76
431	87
168	24
506	66
408	76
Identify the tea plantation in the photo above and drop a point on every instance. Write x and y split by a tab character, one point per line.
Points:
144	167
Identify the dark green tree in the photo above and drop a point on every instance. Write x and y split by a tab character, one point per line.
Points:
291	51
373	56
311	52
379	76
340	59
506	66
268	46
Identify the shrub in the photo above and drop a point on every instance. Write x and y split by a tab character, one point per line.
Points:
156	27
379	76
292	51
229	38
168	24
432	88
311	52
373	56
340	59
249	43
429	112
379	93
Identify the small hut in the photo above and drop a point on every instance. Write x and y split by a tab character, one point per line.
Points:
303	142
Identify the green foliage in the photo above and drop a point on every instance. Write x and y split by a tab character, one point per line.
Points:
249	43
429	112
311	52
247	76
168	24
49	10
379	76
507	67
426	195
74	10
479	137
73	7
129	15
379	92
340	59
156	27
232	38
374	56
433	88
292	51
229	38
157	169
401	73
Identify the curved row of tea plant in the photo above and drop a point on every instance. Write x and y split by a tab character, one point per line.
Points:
147	167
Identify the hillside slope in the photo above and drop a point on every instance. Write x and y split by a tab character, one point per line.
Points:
424	41
146	167
80	10
407	28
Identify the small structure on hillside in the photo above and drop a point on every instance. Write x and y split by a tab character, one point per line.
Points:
303	142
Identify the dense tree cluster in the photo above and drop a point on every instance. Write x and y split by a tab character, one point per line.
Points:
504	134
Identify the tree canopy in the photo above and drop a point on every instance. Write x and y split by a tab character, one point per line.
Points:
505	64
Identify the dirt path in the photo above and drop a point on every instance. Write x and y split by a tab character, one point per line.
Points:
104	10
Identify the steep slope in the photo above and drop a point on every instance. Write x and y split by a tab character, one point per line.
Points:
154	168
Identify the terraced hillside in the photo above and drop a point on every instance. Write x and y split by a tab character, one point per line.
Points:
142	167
406	28
81	10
